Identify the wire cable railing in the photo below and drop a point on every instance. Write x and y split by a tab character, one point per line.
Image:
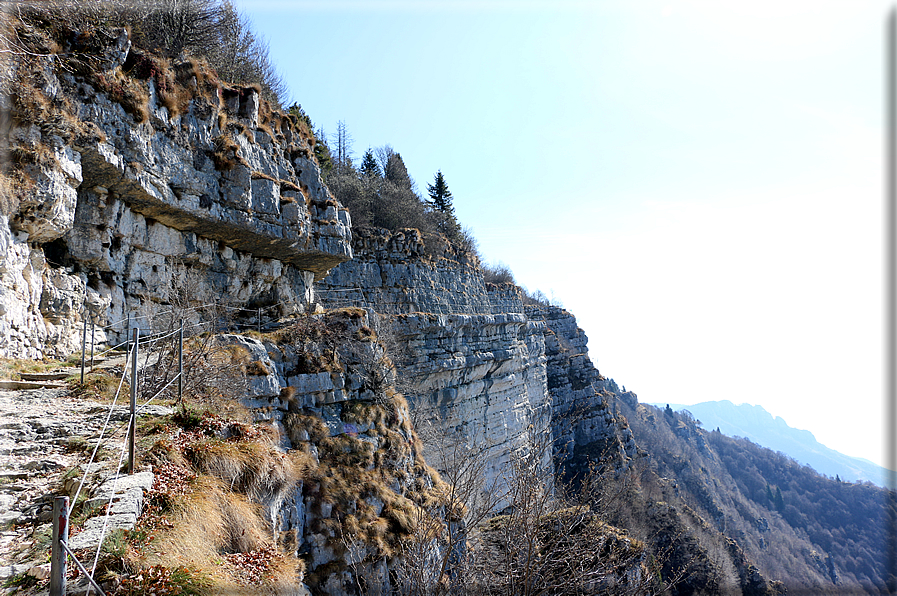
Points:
161	343
99	439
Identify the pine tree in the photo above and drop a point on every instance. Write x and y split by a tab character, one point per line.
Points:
369	166
322	151
397	173
769	496
441	210
440	195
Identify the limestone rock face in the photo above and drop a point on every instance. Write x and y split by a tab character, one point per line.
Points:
584	420
219	200
325	385
475	362
395	273
480	376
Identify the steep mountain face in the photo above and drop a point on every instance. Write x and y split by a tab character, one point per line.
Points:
472	358
323	384
584	425
132	202
758	425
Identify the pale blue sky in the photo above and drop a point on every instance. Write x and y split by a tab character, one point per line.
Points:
699	182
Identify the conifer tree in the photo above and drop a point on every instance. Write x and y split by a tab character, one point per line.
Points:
369	166
442	211
397	173
440	195
322	151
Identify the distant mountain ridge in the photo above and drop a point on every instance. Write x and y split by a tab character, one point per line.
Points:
761	427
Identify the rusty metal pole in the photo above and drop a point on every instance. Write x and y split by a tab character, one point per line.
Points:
132	430
60	537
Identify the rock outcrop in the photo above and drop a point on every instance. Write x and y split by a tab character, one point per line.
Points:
584	422
129	203
145	194
401	272
325	384
475	361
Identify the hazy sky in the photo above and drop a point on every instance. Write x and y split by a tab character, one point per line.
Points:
699	182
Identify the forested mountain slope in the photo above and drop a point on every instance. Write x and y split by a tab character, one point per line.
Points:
758	425
815	534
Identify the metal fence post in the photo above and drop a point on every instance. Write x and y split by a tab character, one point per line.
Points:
181	363
260	321
128	336
60	537
132	430
83	343
93	328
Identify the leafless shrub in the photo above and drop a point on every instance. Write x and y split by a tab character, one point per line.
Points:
498	273
434	558
208	366
213	30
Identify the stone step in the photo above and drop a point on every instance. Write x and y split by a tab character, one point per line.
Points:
24	385
47	376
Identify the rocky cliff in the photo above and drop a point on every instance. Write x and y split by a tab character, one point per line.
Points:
324	384
138	187
119	193
473	358
141	191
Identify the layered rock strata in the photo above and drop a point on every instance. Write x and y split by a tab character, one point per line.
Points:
488	378
585	423
401	272
480	378
128	209
325	384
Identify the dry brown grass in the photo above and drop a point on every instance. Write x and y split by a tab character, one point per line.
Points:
256	175
296	424
256	469
257	369
225	155
287	185
212	523
11	368
131	94
98	386
209	509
